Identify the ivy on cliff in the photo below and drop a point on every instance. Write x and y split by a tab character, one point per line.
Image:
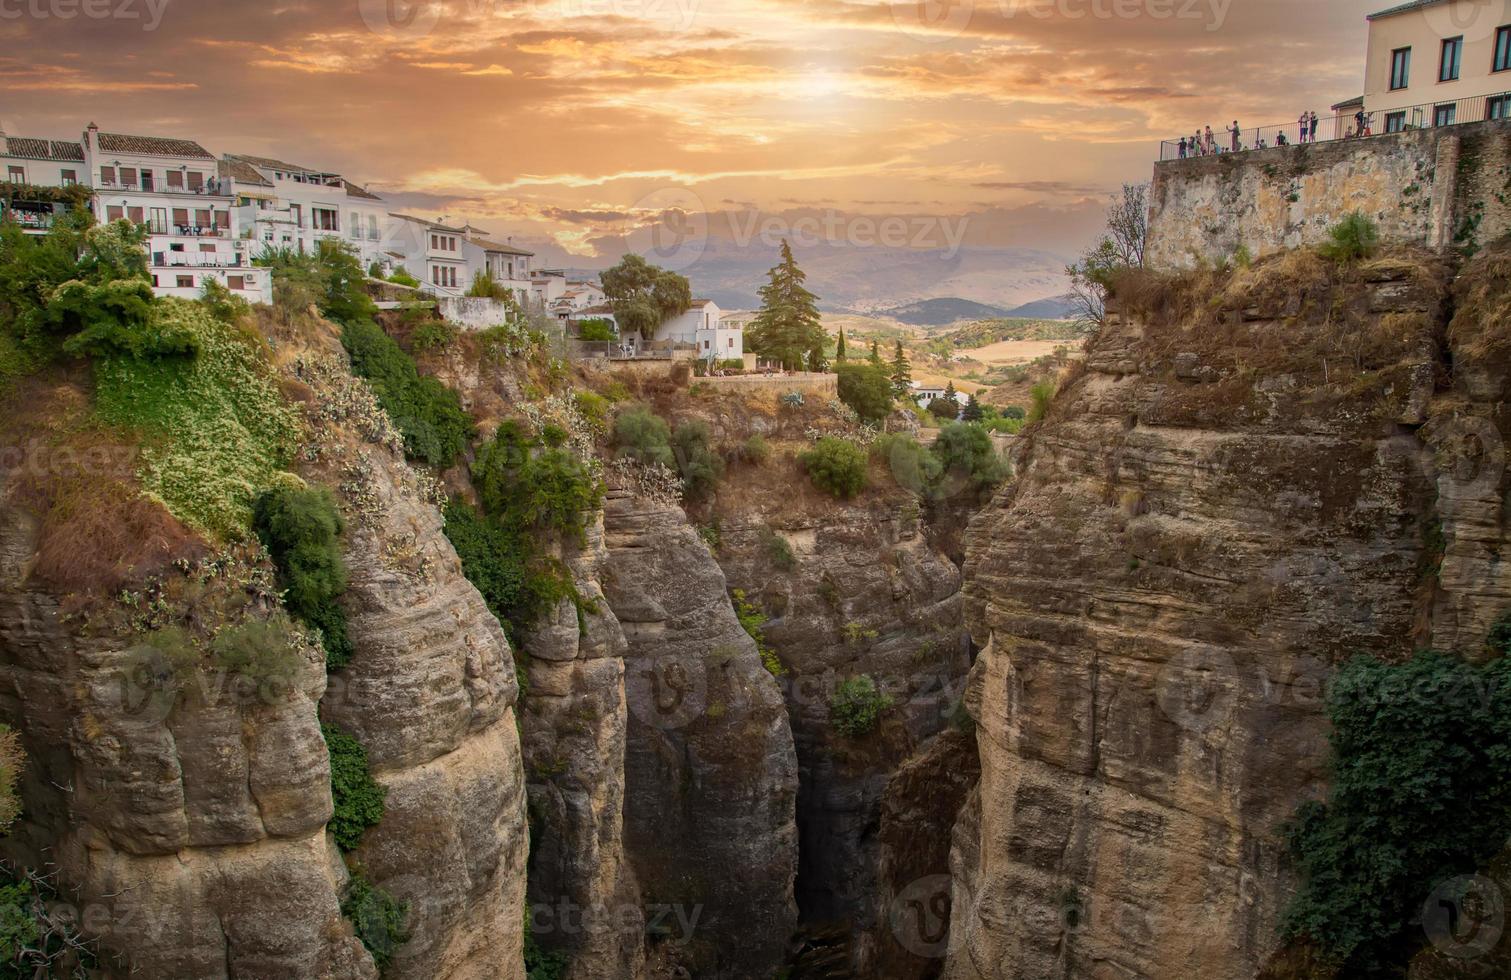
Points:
1421	794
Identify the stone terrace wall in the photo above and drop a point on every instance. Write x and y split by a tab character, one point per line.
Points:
1431	187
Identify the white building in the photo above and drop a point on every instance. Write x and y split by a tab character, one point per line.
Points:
286	205
500	261
431	251
926	395
173	187
703	326
40	163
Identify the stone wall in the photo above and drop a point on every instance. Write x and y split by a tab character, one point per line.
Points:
1433	187
808	384
473	312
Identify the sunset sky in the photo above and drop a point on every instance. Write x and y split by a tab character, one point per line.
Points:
575	122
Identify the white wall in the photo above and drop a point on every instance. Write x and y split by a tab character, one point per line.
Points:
473	312
1424	30
684	329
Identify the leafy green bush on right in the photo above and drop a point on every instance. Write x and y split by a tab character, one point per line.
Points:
836	466
301	529
357	796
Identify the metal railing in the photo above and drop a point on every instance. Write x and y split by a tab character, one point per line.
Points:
1342	126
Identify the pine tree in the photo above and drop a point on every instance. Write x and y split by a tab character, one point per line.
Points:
839	348
789	328
972	411
902	378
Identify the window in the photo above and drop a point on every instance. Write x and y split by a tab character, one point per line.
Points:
1502	50
159	221
185	282
16	175
1448	63
137	215
196	180
1443	115
1400	68
207	247
175	180
1395	122
236	282
128	176
107	176
201	218
1498	107
180	216
70	178
114	212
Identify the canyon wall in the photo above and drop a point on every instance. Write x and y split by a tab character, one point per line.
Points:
1253	477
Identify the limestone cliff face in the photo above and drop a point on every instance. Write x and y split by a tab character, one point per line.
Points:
1242	488
865	592
186	826
430	695
583	896
710	776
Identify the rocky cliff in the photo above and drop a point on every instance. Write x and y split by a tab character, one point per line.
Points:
1255	475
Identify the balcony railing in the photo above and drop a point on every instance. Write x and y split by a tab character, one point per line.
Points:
211	189
1345	126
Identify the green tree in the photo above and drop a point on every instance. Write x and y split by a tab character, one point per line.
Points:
1121	247
839	346
642	435
865	388
875	356
902	376
965	449
699	465
973	412
789	328
644	296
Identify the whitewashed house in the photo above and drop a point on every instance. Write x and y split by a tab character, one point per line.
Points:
703	327
431	251
287	205
173	186
500	261
926	395
44	164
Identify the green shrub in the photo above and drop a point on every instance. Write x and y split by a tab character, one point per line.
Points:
856	706
429	414
699	465
301	529
1042	393
527	486
215	426
866	389
1421	793
500	562
331	277
642	435
377	918
752	619
433	335
1355	237
779	550
357	796
597	329
539	964
402	277
755	450
261	651
836	466
964	449
1013	412
594	408
223	304
912	465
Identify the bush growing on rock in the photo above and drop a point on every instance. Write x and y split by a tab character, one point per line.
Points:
261	651
301	529
642	435
358	797
376	917
1355	237
429	414
836	466
699	465
856	706
1421	793
965	450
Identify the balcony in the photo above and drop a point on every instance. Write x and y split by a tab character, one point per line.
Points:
210	189
188	260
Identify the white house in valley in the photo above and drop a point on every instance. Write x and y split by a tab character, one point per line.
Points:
173	186
287	205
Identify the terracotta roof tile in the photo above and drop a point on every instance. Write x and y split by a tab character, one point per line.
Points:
152	145
40	149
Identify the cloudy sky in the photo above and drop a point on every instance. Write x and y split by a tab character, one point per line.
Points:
578	122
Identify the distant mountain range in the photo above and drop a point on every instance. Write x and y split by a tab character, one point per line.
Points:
934	287
950	310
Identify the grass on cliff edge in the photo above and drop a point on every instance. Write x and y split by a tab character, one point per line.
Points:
213	426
